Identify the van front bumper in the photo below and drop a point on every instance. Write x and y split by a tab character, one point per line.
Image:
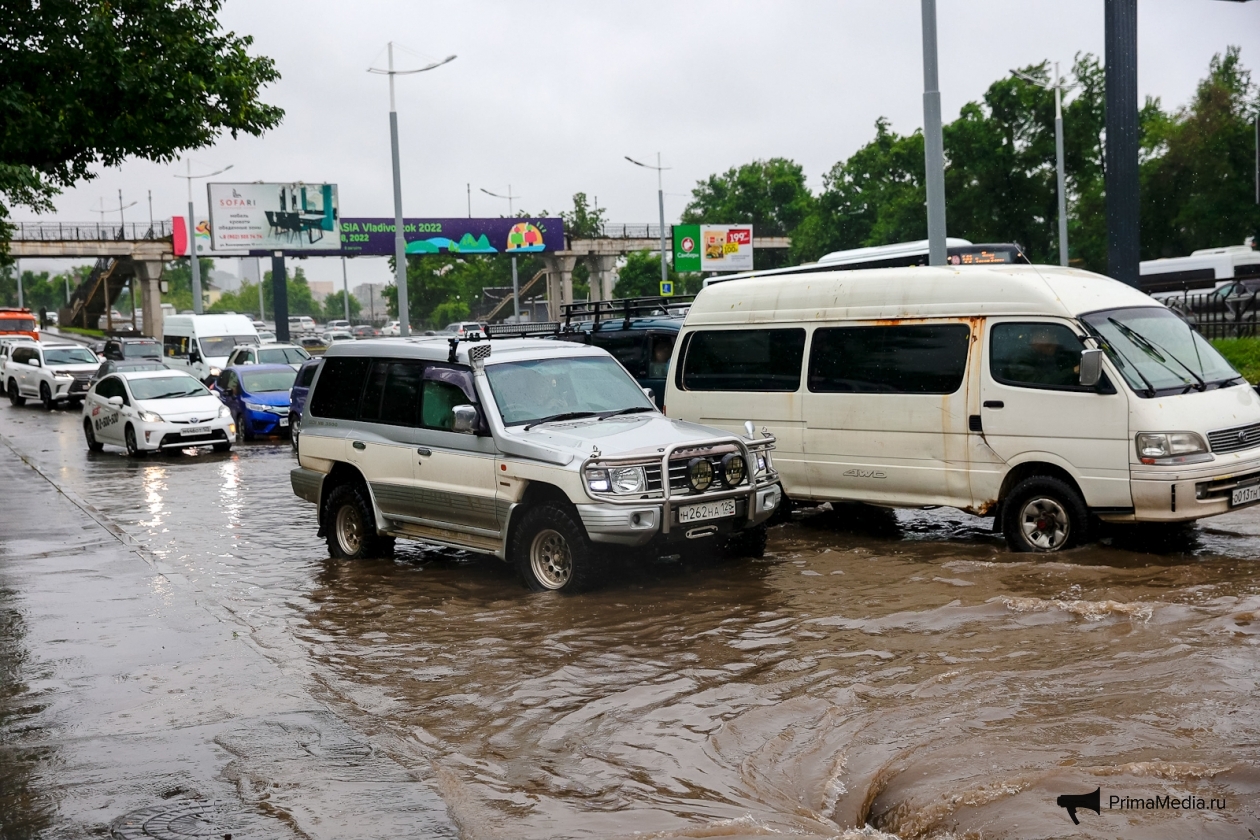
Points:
638	525
1183	495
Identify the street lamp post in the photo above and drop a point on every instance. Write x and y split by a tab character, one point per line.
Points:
660	203
400	242
192	233
516	284
345	289
933	142
1059	89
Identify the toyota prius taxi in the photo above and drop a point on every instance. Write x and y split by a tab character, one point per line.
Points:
150	410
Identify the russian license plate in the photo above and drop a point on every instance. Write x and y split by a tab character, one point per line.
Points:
1245	495
195	430
706	510
284	421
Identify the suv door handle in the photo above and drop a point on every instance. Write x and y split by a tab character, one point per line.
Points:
421	450
358	444
994	404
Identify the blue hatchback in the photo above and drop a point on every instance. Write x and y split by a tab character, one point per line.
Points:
258	397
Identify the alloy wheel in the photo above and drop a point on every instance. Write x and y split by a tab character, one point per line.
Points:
349	530
550	559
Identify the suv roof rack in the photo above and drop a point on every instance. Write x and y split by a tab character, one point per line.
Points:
493	331
600	311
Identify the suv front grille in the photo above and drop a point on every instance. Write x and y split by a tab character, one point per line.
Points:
1235	439
678	476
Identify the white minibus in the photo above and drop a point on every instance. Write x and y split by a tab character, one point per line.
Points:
201	344
1043	396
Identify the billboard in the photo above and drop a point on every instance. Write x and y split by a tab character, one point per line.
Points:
281	217
375	236
713	248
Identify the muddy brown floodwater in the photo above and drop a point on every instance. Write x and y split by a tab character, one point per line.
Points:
877	673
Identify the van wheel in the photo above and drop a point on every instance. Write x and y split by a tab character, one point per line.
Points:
45	396
750	542
129	440
1044	514
15	396
551	551
352	525
93	444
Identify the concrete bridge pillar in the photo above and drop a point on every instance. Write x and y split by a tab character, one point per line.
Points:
559	283
602	277
149	276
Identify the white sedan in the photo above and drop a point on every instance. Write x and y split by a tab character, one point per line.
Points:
151	410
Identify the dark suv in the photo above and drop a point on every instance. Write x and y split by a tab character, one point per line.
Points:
297	397
639	332
126	349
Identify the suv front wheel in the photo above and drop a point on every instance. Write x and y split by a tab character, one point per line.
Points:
351	525
551	551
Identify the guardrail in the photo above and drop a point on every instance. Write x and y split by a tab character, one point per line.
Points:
1219	316
89	231
610	230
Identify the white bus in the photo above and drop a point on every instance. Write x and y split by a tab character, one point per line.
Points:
1206	268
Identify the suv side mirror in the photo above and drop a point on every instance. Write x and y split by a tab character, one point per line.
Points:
647	392
35	362
465	419
1091	367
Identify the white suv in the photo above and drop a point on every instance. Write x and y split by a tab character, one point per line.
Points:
50	373
544	453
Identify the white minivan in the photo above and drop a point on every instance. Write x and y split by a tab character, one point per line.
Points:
201	344
1038	395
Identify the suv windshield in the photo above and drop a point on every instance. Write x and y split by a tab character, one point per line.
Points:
166	387
70	356
257	382
531	391
1158	353
142	350
213	346
283	356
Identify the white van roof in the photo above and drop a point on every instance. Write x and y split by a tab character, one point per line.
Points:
916	292
209	325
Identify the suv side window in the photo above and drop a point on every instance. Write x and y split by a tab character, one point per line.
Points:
392	392
626	347
338	388
444	388
1035	355
307	375
22	355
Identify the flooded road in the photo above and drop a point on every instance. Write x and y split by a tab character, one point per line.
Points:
900	671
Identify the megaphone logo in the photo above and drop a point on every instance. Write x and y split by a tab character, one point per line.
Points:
1072	801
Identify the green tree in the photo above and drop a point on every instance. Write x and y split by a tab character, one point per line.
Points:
640	276
335	307
771	195
88	84
178	276
584	220
1197	180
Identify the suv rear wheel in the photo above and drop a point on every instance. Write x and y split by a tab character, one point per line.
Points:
15	396
551	551
351	525
1044	514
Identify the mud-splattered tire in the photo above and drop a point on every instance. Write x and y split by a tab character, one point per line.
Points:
551	551
350	525
15	396
750	542
1044	514
93	444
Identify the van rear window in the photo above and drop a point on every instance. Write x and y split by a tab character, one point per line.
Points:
338	389
742	360
17	324
902	359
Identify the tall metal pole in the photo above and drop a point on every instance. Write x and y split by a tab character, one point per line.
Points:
192	248
280	297
660	203
400	242
1258	159
17	266
345	289
933	142
1059	166
262	307
516	294
1123	208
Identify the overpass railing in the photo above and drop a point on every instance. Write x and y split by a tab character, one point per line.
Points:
89	231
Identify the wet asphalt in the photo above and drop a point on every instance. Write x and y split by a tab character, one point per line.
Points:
181	658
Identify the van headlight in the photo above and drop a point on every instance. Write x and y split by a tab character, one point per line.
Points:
1171	448
620	480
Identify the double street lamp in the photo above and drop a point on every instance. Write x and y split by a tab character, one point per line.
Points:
192	233
1059	89
660	201
400	242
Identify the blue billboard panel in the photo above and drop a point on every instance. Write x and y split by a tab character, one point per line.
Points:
375	236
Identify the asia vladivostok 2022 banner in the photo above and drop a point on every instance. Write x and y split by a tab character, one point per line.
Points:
375	236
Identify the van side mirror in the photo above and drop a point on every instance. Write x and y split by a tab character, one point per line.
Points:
1091	367
465	419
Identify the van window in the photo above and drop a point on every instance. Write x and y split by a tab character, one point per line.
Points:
338	387
903	359
742	360
1035	355
175	345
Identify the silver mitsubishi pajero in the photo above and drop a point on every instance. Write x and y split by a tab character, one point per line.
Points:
543	453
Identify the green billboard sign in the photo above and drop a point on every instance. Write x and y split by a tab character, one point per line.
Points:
686	247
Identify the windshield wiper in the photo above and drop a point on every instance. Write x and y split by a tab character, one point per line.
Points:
564	415
635	409
1155	350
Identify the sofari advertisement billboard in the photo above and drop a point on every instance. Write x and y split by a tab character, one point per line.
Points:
281	217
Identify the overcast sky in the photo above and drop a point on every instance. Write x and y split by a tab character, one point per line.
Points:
549	97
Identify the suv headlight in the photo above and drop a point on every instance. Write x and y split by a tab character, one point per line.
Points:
61	374
149	416
1171	448
620	480
734	470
